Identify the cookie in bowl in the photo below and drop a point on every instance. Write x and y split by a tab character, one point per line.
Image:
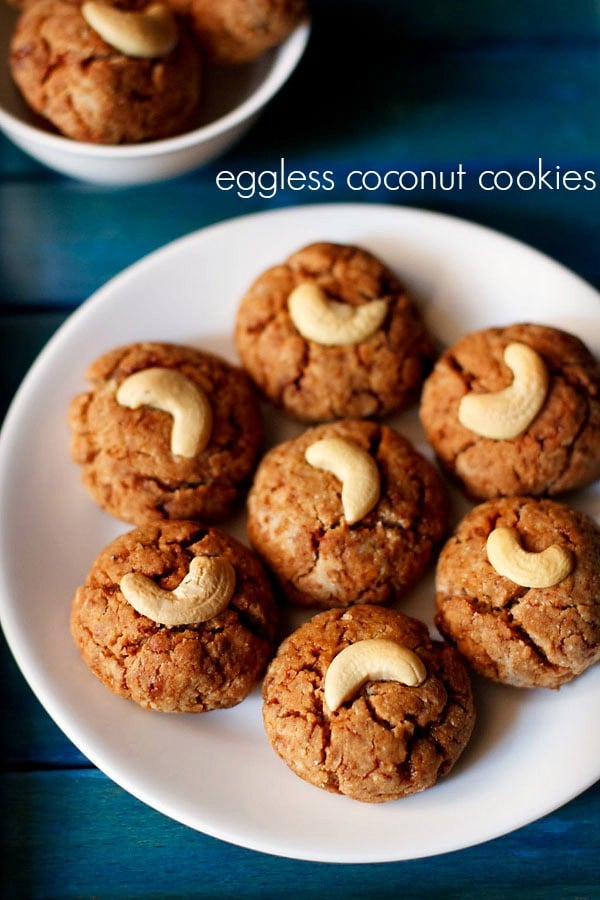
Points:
363	703
231	32
518	591
348	512
176	617
515	410
107	73
331	333
165	432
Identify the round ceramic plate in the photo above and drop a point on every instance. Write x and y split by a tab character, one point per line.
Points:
531	751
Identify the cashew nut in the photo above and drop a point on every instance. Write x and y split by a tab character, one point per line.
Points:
354	467
203	593
505	414
174	393
330	322
144	34
375	659
533	570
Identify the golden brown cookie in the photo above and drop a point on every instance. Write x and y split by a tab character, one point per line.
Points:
92	91
316	374
123	431
557	444
388	739
239	31
300	515
191	667
488	605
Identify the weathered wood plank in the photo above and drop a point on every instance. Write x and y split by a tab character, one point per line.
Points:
22	336
469	20
504	109
75	834
83	241
29	738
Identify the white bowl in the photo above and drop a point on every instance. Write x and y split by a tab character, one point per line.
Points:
234	97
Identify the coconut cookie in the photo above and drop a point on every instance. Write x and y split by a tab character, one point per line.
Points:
518	591
165	432
346	513
176	617
331	333
107	73
515	410
363	703
239	31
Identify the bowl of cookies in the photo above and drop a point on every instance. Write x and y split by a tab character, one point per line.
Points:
135	92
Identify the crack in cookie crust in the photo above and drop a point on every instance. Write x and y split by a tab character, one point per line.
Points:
561	448
295	520
318	383
390	740
523	636
188	668
127	464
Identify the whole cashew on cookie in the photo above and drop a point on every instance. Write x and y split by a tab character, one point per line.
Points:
374	659
143	34
174	393
354	467
329	322
532	570
505	414
202	594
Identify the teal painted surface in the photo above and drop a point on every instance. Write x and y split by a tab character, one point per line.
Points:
29	738
499	109
409	86
22	336
471	20
85	237
56	853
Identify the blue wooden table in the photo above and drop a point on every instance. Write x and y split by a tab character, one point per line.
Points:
384	85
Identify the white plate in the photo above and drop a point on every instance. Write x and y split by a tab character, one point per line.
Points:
531	751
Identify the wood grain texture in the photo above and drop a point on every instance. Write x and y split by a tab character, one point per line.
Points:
82	241
470	20
417	108
99	843
29	738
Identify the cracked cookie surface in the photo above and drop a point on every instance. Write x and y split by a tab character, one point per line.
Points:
313	382
296	520
91	92
189	668
389	740
559	451
125	455
527	637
